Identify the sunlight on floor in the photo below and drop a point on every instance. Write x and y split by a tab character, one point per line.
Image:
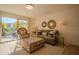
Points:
7	48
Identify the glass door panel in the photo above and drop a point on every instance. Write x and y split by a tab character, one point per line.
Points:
9	26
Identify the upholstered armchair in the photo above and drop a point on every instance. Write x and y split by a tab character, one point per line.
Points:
23	33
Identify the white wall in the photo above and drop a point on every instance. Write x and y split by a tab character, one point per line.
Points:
70	27
18	17
7	14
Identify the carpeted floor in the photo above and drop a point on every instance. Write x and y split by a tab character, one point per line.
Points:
8	49
71	50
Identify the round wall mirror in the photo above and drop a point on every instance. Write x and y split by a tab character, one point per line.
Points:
51	24
44	24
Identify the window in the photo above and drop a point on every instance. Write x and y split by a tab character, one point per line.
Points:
23	23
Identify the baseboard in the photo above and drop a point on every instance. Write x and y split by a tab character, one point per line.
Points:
70	44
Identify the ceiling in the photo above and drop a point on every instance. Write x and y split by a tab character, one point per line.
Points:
37	11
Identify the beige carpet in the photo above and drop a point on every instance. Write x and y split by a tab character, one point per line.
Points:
8	49
47	50
71	50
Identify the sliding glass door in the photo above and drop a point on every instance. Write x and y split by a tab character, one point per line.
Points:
9	28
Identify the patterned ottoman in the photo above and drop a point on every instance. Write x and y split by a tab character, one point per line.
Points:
32	43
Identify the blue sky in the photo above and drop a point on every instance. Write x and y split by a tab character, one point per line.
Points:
8	20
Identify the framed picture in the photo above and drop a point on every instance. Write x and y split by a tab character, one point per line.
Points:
44	24
51	24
